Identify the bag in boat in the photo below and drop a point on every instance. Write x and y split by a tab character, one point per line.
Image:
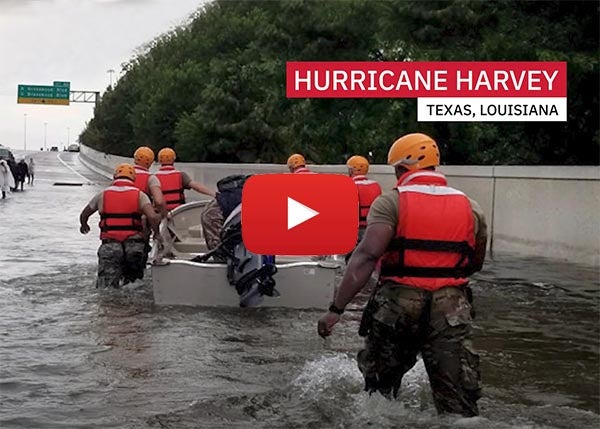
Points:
230	193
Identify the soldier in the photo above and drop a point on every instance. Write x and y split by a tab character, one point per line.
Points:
368	190
174	182
122	252
297	164
227	199
143	158
429	237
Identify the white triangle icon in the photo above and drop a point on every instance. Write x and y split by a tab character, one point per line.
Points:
298	213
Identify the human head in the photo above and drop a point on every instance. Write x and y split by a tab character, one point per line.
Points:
357	165
413	152
166	156
295	162
124	171
143	156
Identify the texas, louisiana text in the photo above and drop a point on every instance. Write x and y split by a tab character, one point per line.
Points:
496	109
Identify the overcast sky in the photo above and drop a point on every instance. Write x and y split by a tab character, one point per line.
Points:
42	41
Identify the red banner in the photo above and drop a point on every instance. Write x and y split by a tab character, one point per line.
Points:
425	79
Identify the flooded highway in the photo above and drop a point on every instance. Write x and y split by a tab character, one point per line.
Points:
73	356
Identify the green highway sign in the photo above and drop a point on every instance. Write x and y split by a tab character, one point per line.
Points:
58	93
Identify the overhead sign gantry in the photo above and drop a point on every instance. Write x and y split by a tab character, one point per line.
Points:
58	94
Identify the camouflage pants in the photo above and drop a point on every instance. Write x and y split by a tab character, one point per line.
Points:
118	261
403	321
212	223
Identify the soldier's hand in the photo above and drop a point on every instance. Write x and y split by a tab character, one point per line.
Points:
85	228
326	323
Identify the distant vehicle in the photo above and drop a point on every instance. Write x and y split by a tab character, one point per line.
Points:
54	149
6	154
73	147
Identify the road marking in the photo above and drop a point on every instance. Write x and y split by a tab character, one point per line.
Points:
71	168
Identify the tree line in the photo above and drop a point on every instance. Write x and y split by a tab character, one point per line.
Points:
214	89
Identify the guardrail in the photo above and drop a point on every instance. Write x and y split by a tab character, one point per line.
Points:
549	211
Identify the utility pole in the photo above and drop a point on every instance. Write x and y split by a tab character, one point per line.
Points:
68	136
110	72
24	131
45	134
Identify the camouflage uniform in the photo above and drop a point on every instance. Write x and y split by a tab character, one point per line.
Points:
212	223
401	321
118	260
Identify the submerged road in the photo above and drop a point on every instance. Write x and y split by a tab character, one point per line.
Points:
76	357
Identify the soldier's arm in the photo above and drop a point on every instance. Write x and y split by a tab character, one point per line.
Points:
362	263
201	188
156	193
188	183
87	211
159	200
381	227
480	237
152	217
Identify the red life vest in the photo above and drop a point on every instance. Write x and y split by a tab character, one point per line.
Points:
368	190
171	183
303	170
141	178
435	236
121	216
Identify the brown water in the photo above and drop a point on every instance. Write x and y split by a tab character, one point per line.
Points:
75	357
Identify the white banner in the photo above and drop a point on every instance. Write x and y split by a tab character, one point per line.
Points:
496	109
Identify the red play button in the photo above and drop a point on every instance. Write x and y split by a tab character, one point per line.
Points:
299	214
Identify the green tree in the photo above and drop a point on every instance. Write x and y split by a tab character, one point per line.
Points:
214	89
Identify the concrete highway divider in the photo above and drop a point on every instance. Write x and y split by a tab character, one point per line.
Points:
546	211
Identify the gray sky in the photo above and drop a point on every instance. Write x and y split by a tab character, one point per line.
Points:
42	41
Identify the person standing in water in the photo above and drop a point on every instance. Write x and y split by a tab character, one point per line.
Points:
31	170
122	254
429	238
7	181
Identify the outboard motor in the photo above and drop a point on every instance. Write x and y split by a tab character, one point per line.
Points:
251	274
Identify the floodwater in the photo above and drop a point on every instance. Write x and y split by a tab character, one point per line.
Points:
76	357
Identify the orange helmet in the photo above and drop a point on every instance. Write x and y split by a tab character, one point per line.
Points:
124	171
414	152
358	164
166	156
296	160
143	156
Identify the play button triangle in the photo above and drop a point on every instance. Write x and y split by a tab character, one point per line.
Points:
298	213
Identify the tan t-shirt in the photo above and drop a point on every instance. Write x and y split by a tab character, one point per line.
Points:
185	180
385	210
153	181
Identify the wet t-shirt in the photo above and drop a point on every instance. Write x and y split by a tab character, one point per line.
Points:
153	181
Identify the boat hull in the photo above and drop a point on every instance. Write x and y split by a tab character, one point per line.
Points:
301	285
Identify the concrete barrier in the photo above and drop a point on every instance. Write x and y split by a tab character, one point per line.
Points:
549	211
